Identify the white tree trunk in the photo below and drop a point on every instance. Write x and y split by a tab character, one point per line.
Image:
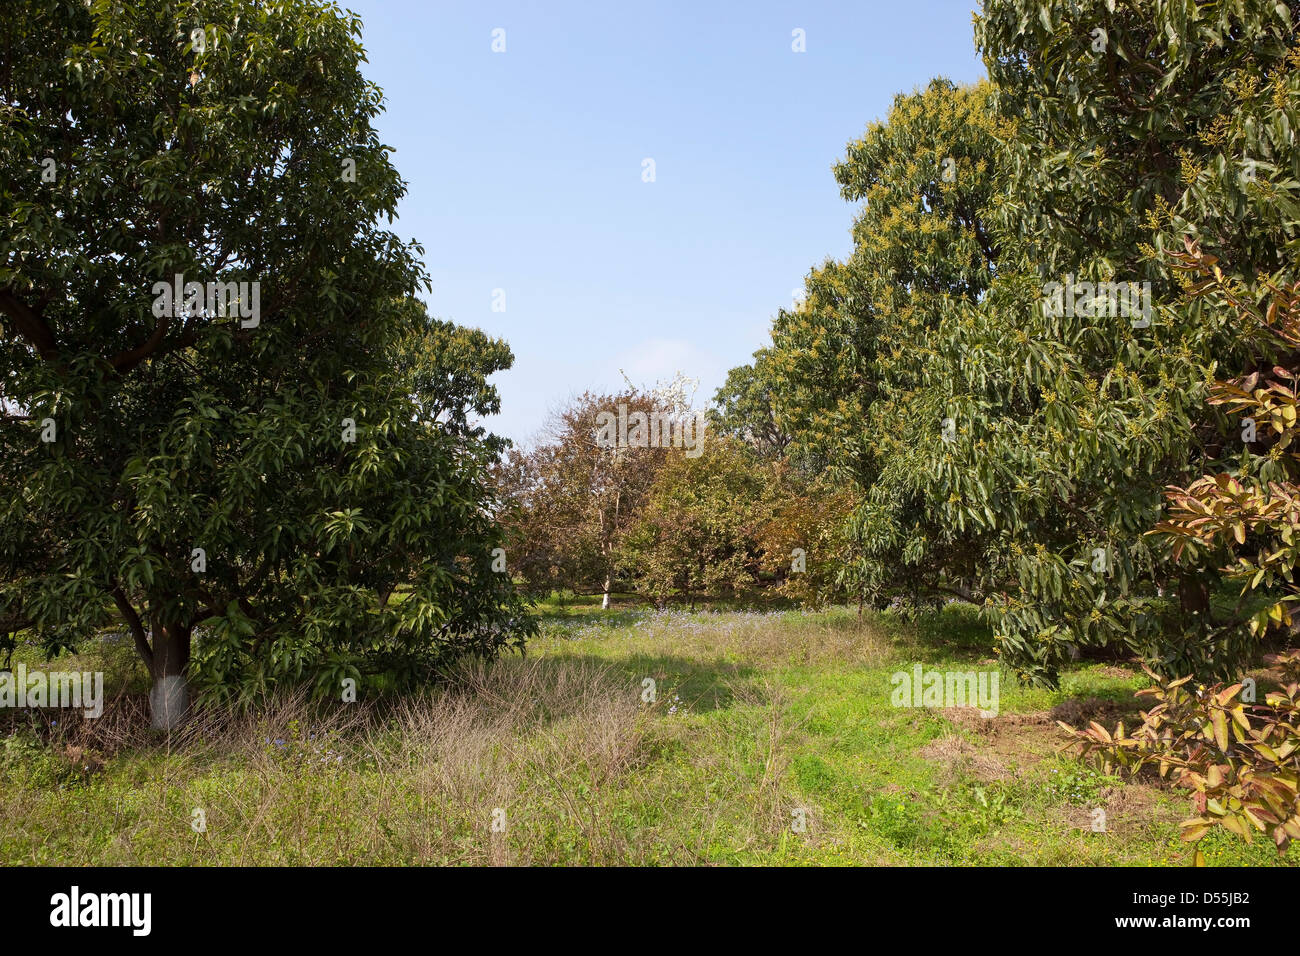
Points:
169	699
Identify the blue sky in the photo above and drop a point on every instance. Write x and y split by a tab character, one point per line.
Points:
525	168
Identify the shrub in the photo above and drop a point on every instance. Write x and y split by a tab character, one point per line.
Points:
1242	759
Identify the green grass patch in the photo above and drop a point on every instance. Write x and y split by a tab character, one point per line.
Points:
623	736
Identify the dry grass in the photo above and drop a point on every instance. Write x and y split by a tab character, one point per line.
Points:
442	777
760	638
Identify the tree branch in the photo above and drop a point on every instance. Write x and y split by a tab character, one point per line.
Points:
12	625
29	323
137	628
125	361
957	591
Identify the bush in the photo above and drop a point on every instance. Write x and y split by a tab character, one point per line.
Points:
1242	759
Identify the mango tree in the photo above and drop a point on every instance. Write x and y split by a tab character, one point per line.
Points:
228	426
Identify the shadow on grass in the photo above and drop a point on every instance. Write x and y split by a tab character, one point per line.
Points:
953	633
583	605
702	686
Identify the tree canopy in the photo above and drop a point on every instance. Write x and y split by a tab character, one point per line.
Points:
247	482
1009	447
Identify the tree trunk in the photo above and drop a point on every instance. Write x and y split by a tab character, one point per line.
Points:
604	604
169	698
1194	597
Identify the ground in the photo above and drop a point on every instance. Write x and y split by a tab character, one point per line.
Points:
770	738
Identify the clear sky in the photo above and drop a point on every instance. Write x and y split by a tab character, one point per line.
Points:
525	168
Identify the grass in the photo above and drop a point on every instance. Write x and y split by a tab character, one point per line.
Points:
770	739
